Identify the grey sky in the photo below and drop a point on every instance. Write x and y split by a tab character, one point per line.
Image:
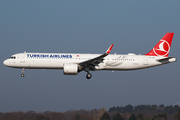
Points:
87	27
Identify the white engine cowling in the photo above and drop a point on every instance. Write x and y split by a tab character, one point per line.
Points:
70	69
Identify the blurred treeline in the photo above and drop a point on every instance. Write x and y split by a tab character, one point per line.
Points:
128	112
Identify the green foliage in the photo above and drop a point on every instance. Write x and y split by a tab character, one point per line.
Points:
105	116
154	109
146	119
161	106
176	107
140	116
128	108
140	108
47	118
177	116
153	112
77	117
160	116
117	116
169	109
40	117
132	117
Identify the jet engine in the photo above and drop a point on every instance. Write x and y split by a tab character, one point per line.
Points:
70	69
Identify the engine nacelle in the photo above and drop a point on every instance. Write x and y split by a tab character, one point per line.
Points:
70	69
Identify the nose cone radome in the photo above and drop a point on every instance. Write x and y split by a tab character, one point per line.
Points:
6	62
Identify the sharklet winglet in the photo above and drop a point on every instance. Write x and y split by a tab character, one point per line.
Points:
109	49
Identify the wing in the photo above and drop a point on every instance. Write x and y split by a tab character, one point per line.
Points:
90	64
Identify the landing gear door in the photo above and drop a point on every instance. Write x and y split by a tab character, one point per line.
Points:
145	61
22	60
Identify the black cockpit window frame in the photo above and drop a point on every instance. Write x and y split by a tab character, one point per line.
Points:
12	57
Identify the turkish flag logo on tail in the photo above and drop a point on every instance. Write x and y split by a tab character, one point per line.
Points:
162	48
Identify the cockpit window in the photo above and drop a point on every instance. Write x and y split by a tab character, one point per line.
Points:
12	57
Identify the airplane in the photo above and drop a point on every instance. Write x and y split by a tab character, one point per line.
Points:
73	63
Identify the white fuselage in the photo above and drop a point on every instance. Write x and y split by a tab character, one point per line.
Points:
57	60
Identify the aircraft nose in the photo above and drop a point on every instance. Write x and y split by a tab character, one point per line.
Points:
5	63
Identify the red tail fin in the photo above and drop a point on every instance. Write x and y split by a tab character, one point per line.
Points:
162	48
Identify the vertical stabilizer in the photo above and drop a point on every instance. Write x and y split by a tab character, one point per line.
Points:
162	48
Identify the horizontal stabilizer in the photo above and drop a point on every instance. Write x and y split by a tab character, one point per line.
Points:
167	60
